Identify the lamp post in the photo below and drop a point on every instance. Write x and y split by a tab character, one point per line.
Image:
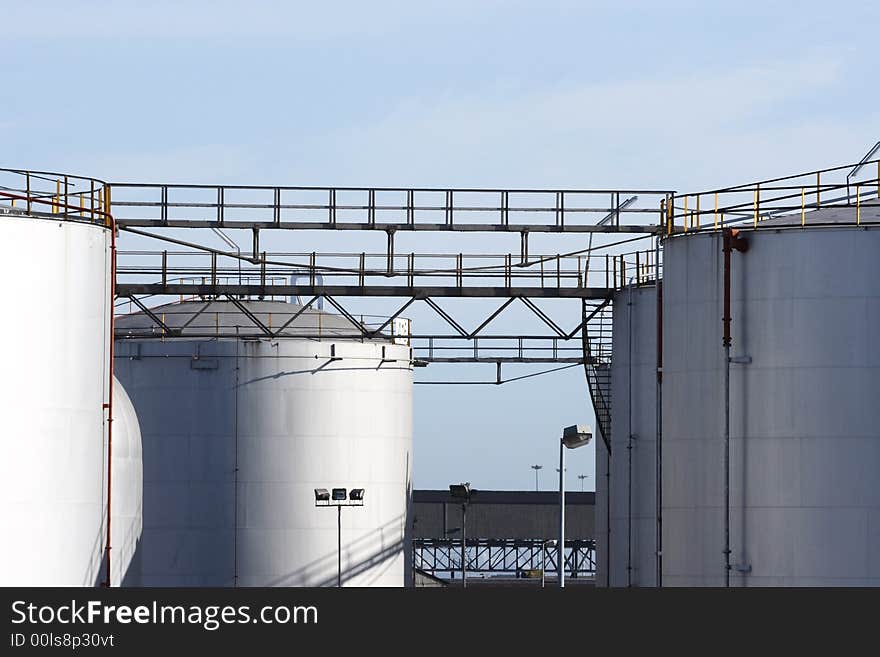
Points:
536	468
463	493
582	477
549	543
339	497
572	437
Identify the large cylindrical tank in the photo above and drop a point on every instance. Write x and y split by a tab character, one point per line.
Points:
126	501
238	433
804	417
55	347
632	481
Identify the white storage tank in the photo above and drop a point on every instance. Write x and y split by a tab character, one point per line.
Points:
237	434
126	501
55	348
804	415
633	516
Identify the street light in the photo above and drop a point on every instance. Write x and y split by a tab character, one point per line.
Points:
462	492
337	497
536	468
573	437
549	543
582	477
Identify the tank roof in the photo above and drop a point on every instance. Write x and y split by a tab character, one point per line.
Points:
208	317
830	215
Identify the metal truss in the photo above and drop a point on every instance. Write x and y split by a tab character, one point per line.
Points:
188	269
503	556
459	345
388	209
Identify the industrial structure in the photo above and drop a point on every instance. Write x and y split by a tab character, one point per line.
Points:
510	538
62	511
725	337
240	430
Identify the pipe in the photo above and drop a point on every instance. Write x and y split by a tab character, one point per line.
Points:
339	546
463	545
629	439
608	518
109	405
658	445
560	551
730	242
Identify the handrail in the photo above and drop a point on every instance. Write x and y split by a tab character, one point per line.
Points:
73	197
798	196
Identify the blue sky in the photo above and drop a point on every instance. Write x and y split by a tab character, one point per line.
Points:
541	94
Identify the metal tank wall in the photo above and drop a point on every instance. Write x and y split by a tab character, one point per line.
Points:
126	502
52	465
805	444
633	412
237	434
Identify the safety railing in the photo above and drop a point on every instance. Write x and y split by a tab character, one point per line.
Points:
408	270
799	199
246	206
57	195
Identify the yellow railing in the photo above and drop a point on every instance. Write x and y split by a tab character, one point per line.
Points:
44	192
794	196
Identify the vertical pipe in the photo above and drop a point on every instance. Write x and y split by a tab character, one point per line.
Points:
803	206
607	518
727	465
235	467
658	445
112	225
629	440
543	562
560	554
858	205
339	546
463	544
731	242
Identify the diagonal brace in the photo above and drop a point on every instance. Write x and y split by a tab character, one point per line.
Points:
543	317
247	313
149	313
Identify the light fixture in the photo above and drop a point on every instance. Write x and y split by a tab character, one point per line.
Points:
576	435
340	497
461	491
573	437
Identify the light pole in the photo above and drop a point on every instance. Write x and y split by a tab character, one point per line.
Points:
536	468
582	477
339	497
463	493
572	437
549	543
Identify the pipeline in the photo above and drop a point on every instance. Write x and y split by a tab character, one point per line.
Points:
658	446
112	224
629	440
731	241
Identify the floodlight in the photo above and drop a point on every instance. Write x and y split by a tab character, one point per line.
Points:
356	495
576	435
322	495
461	491
339	494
